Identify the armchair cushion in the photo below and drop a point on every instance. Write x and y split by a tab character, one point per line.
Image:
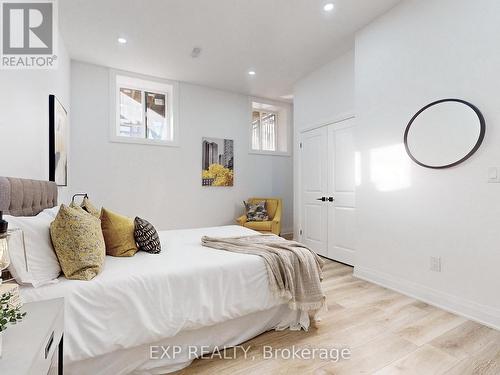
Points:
260	226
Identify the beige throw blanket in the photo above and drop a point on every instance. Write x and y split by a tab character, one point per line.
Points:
295	271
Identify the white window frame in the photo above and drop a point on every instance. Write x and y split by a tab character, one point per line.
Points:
282	130
143	83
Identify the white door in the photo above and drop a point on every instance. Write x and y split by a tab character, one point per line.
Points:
328	185
314	182
341	186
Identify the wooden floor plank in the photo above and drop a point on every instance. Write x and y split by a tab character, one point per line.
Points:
484	362
425	360
466	339
372	356
429	327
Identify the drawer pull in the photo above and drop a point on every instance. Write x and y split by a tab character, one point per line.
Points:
49	345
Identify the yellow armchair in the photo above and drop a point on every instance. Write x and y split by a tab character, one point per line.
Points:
274	210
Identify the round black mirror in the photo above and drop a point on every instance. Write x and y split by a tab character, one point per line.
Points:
444	133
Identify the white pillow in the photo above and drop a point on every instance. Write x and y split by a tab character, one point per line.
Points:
51	212
40	266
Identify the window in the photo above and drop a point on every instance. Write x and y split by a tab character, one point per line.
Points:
144	111
264	130
268	130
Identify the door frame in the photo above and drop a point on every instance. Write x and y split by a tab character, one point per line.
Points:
336	120
338	124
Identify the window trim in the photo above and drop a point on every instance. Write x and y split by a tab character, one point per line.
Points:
152	84
282	113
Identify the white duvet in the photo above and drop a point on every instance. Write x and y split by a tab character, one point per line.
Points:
148	297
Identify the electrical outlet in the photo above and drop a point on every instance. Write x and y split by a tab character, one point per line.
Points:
493	175
435	265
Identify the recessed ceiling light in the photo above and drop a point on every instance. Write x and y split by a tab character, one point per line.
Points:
328	7
195	52
122	40
251	73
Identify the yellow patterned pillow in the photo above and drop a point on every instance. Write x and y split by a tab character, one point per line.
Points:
78	243
118	232
90	208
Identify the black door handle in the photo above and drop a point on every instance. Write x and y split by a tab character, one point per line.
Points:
330	199
322	199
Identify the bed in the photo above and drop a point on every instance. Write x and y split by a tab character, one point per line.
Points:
187	295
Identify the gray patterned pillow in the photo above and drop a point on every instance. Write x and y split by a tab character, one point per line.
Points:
256	211
146	236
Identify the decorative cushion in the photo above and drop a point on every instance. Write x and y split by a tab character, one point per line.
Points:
78	242
90	208
146	236
118	232
256	211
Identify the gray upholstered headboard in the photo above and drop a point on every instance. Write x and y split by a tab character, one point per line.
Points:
22	197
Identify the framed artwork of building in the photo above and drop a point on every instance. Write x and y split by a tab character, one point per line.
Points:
217	162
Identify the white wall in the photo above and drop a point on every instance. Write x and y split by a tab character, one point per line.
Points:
324	96
419	52
163	184
24	116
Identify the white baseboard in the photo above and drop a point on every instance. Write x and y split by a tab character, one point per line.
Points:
483	314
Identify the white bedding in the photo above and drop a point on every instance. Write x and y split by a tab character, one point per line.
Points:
137	361
147	298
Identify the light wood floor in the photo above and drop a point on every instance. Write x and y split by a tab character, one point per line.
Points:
387	333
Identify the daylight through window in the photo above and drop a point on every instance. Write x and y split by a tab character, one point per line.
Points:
144	110
264	130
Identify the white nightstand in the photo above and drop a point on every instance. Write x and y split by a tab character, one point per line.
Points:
35	345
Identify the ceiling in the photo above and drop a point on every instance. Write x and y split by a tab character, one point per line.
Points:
281	40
